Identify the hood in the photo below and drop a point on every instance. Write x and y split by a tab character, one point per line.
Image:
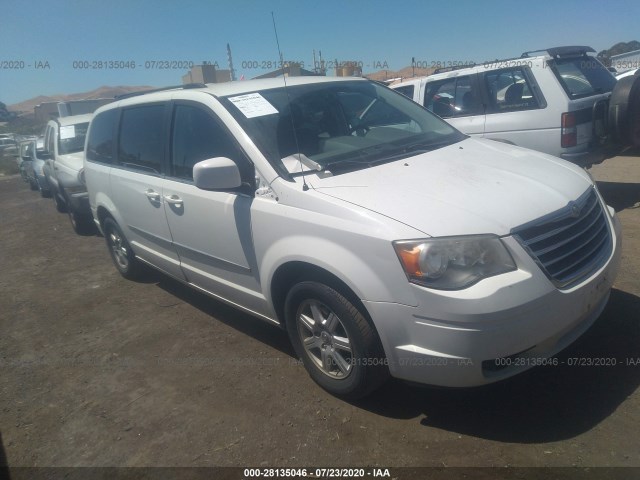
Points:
72	160
471	187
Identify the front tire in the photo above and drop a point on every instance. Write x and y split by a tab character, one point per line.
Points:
338	346
121	253
82	224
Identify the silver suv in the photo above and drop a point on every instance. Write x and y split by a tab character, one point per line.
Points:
555	101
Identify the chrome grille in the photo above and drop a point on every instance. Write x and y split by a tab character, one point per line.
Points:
571	243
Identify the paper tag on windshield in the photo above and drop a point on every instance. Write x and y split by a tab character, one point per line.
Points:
253	105
68	131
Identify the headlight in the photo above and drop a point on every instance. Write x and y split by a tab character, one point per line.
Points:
453	263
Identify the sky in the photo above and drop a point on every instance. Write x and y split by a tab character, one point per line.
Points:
44	45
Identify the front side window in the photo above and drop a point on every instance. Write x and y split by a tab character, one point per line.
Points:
71	138
141	139
406	90
337	126
198	136
453	97
100	142
510	90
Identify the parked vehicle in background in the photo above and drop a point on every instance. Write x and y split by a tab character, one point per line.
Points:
628	73
35	167
24	158
8	147
554	101
381	238
64	143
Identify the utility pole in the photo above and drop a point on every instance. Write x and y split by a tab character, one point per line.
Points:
231	70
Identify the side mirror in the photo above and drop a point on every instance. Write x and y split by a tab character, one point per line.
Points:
218	173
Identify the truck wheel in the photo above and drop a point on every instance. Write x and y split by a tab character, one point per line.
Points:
338	346
624	111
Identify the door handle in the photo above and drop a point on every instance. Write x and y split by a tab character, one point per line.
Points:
173	199
152	194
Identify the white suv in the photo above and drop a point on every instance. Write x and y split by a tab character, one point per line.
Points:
64	140
384	240
555	101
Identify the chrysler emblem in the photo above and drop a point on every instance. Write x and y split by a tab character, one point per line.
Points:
575	209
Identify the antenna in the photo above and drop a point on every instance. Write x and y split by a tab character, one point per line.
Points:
305	187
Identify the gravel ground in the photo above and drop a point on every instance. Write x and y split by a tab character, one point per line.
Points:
100	371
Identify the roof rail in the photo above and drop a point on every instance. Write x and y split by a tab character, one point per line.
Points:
455	67
162	89
558	52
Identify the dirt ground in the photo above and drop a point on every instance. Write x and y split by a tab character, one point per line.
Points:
96	370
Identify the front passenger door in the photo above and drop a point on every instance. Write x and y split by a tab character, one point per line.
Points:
211	230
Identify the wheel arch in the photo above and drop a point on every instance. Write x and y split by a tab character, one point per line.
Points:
292	272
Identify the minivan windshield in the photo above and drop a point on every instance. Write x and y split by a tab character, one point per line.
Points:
583	76
337	126
71	138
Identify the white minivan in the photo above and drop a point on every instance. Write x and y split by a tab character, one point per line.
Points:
381	238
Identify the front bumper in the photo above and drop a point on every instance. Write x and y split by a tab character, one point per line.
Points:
453	338
79	202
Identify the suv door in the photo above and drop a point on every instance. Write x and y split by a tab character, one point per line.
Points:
211	230
136	185
516	109
458	101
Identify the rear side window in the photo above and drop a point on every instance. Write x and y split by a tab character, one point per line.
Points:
198	136
141	140
100	143
510	90
583	76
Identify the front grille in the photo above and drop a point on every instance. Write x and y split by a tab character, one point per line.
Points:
571	243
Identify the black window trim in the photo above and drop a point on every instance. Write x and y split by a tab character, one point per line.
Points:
115	127
208	111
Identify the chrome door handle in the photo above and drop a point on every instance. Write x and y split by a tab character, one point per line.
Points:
152	194
173	199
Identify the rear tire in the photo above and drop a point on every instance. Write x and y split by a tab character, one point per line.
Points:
121	253
338	346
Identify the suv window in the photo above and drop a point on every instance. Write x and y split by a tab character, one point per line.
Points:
510	90
100	141
406	90
141	144
453	97
583	76
198	136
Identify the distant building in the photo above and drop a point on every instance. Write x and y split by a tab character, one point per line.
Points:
289	70
349	69
48	110
206	74
626	61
